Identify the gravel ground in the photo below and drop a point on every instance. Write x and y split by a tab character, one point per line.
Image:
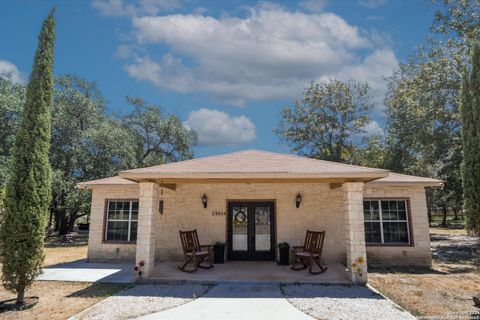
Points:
141	300
342	302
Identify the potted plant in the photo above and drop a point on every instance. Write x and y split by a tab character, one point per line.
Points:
284	249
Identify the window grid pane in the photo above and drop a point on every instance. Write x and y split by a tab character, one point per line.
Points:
122	222
386	222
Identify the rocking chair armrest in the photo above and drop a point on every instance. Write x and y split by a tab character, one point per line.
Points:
316	250
209	247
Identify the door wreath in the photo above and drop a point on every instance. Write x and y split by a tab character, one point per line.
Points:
240	217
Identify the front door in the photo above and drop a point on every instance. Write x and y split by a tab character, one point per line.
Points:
251	230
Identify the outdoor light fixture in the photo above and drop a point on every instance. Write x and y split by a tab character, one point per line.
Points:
204	200
160	206
298	200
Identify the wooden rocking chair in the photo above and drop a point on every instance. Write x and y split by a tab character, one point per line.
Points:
194	252
310	252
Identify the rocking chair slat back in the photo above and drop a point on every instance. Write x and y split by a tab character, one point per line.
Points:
314	241
310	253
192	250
190	240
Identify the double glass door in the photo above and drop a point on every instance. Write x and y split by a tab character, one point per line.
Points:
251	230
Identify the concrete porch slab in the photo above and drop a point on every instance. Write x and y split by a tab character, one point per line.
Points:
259	272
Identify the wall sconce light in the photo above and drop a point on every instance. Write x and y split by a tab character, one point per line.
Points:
298	200
204	200
160	206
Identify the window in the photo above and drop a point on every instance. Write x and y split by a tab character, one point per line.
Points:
386	222
122	221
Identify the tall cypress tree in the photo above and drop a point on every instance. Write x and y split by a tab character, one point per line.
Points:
470	112
28	190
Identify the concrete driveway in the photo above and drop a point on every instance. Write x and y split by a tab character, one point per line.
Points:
245	301
235	302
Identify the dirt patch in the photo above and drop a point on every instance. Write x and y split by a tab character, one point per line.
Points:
65	248
430	294
60	300
57	255
444	290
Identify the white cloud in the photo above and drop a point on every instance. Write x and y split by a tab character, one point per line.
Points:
372	69
8	69
169	73
121	8
217	128
373	129
124	52
371	4
270	54
313	5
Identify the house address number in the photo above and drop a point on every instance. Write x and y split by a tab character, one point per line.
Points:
219	213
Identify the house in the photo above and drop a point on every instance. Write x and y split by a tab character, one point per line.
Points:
252	200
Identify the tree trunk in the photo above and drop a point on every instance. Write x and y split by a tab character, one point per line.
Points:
71	222
429	213
63	224
455	211
50	218
444	220
20	296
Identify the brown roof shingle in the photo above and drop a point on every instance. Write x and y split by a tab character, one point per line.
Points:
254	161
253	164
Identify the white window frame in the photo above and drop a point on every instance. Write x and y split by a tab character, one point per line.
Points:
379	201
122	220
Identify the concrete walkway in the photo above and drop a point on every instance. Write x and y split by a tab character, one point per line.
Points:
235	302
84	271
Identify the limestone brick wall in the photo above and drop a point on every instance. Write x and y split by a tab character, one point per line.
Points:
419	253
321	209
98	251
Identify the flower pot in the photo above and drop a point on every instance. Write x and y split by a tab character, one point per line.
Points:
218	252
284	251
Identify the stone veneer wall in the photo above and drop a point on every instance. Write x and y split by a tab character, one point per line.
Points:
98	251
321	209
419	254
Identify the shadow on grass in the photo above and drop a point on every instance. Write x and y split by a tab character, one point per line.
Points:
74	239
99	290
454	254
65	245
452	225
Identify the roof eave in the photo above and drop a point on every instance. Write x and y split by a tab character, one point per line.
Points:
148	176
90	186
425	184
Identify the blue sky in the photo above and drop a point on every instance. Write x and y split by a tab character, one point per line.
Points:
226	68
